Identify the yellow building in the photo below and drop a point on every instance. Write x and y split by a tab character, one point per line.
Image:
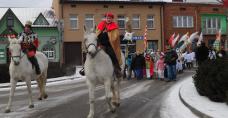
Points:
76	13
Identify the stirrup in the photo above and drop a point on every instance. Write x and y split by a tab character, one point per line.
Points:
82	72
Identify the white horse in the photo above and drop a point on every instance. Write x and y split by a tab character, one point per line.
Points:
99	68
21	69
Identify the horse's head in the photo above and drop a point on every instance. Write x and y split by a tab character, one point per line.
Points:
90	41
15	50
128	35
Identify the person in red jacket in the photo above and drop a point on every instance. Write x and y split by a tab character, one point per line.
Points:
109	39
29	44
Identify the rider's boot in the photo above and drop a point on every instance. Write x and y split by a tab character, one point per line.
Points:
34	62
117	70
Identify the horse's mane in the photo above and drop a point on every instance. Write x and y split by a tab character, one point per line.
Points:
14	41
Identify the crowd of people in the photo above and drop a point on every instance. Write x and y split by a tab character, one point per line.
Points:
166	65
152	65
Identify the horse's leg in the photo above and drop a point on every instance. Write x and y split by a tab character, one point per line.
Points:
28	83
107	84
91	87
118	91
12	90
114	97
44	81
44	85
40	88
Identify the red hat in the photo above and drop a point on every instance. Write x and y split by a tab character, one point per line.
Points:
109	14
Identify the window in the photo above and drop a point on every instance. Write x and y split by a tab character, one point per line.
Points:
10	21
41	22
152	45
211	25
183	21
74	21
150	22
121	21
89	20
136	22
49	51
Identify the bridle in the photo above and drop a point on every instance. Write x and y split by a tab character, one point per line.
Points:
96	47
20	56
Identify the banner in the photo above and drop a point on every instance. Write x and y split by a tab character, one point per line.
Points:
145	38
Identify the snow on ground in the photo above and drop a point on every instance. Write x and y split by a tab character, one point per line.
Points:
202	103
132	90
50	82
172	106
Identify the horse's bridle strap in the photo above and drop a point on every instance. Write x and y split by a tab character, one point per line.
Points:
90	45
97	49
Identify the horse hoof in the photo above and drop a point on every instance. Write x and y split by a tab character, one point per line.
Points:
113	110
31	106
40	98
116	104
45	96
7	110
89	116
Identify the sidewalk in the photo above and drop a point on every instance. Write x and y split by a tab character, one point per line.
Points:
76	76
201	105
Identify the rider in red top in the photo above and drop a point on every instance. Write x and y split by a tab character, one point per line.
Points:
29	44
109	38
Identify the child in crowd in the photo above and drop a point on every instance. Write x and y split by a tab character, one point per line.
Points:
179	66
149	66
160	67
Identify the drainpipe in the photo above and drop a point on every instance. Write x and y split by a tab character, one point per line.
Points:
196	10
61	2
162	27
226	40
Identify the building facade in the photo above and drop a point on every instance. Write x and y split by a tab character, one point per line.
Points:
12	21
191	17
77	13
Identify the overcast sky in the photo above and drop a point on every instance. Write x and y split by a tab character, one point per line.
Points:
201	0
26	3
48	3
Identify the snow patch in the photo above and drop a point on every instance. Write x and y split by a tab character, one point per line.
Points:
172	106
202	103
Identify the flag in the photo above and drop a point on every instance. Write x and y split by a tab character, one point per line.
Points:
216	43
175	40
183	38
145	38
200	39
171	39
218	35
192	37
225	3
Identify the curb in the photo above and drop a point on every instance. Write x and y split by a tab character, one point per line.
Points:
33	82
194	110
49	80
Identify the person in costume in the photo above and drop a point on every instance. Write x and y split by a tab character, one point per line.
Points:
29	44
109	39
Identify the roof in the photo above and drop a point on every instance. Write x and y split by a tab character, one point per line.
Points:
113	1
25	14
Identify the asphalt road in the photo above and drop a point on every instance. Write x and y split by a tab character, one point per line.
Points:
139	99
